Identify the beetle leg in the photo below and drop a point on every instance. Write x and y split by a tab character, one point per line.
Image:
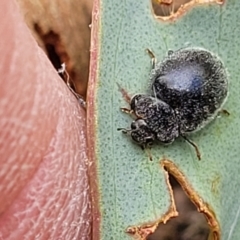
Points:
148	151
152	56
225	112
127	110
194	145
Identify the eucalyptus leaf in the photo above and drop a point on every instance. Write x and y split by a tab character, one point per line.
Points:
128	188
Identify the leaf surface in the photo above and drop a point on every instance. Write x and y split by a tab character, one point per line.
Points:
128	189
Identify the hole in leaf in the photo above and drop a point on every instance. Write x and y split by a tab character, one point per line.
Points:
167	7
189	225
167	10
189	217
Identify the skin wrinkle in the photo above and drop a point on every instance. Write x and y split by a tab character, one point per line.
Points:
43	176
50	167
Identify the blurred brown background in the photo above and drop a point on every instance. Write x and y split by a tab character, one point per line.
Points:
62	29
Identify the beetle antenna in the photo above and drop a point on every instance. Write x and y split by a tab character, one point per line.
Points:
194	145
124	130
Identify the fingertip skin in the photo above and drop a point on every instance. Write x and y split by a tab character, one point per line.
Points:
43	175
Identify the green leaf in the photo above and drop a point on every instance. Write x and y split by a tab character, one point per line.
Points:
128	189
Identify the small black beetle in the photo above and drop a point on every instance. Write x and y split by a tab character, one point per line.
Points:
188	89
